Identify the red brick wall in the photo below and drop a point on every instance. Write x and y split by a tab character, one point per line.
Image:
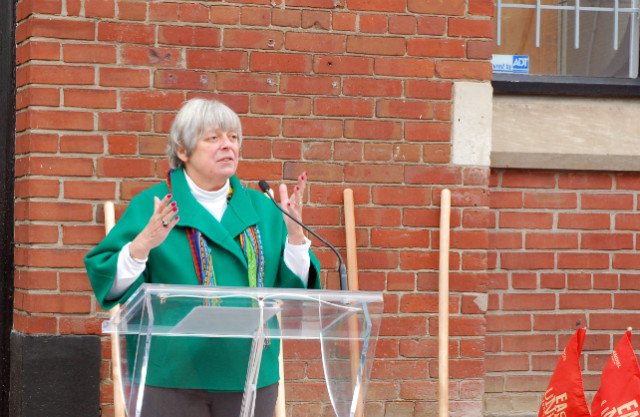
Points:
563	255
356	92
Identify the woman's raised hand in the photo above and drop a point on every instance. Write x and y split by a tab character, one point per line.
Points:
163	219
292	204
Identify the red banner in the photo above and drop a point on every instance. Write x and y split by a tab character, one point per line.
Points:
619	393
565	394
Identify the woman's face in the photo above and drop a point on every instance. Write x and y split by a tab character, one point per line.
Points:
214	158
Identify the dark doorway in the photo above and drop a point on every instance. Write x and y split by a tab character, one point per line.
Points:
7	152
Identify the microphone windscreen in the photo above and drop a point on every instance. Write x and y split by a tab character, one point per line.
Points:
264	186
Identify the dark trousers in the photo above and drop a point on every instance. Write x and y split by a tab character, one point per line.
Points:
172	402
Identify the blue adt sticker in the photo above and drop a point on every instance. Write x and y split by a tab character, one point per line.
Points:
510	64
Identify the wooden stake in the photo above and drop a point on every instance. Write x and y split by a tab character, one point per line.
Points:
443	305
118	401
350	229
352	280
109	217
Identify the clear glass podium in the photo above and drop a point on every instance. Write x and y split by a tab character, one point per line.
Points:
346	323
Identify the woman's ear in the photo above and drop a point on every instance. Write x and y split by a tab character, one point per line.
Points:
182	154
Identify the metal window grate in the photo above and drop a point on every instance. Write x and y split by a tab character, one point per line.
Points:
633	12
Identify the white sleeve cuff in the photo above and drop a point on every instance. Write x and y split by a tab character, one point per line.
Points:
129	269
296	258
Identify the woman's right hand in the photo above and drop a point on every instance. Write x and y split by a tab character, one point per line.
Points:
156	231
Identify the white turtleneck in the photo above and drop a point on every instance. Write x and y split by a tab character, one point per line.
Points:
296	257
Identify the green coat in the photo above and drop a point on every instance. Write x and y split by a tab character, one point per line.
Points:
201	363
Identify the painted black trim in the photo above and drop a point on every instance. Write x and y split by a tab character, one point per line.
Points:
7	154
55	376
568	86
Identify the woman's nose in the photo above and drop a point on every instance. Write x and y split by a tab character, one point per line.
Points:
225	140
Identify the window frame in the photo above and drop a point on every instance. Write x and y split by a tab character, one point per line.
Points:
505	83
565	85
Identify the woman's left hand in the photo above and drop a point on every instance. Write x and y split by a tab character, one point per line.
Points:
292	204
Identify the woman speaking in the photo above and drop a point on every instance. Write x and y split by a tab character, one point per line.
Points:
202	227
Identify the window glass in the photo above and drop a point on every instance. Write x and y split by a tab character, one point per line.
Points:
586	38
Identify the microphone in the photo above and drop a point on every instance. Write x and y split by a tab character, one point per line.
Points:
342	270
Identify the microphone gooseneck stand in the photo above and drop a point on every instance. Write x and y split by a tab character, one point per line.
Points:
342	270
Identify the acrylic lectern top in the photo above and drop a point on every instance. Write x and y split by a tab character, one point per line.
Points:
340	320
180	310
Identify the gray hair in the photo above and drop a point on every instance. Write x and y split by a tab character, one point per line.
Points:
194	117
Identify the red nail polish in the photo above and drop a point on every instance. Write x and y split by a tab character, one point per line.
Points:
175	209
297	188
288	204
168	195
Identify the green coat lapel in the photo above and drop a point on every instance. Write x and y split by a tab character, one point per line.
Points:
240	212
239	215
